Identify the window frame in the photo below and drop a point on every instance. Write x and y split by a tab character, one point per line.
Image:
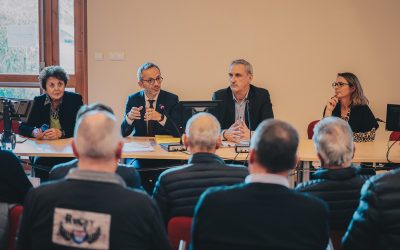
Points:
49	48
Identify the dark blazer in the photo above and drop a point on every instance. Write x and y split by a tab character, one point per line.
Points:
340	189
259	216
40	115
169	101
376	222
14	185
361	118
259	103
128	173
178	189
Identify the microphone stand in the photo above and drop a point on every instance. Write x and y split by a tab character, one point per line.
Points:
172	147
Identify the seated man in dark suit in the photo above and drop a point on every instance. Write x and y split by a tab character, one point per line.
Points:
128	173
178	189
376	222
92	208
338	182
263	213
151	111
244	106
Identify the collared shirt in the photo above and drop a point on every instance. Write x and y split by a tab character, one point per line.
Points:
54	114
267	178
88	175
147	105
240	107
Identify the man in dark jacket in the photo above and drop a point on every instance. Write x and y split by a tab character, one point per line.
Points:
338	182
243	105
262	213
376	222
92	208
178	189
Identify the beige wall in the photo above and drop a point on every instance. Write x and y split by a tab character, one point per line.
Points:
296	48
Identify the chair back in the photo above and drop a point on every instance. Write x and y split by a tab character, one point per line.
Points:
179	228
14	219
14	126
310	129
394	136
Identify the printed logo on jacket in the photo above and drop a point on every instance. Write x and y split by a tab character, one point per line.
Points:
75	228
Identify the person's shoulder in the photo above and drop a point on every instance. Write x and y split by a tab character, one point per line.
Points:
72	95
226	191
174	172
5	154
386	181
136	95
222	92
308	201
40	98
259	91
167	93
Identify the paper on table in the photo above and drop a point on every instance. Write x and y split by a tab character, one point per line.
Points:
137	147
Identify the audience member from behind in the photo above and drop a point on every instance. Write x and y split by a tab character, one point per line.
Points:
128	173
91	207
14	184
338	181
243	105
376	222
350	104
263	213
178	189
53	115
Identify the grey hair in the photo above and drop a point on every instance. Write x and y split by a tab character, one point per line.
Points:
248	66
97	135
145	66
333	140
203	131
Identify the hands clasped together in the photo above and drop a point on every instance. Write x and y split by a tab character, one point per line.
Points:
237	132
49	134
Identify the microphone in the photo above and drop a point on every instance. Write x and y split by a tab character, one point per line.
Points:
244	147
172	147
248	117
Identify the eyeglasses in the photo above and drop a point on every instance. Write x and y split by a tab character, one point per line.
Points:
339	84
152	81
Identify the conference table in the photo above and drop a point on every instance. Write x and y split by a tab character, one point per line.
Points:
147	148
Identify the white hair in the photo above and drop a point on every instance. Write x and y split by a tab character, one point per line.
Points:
333	140
203	131
97	135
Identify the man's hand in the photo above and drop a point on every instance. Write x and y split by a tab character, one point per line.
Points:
244	131
152	115
134	114
233	133
52	134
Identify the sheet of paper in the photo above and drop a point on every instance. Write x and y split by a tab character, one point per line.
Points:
137	147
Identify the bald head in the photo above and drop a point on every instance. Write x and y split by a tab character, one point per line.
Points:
97	136
203	133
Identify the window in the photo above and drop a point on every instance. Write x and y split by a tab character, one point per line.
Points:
32	37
